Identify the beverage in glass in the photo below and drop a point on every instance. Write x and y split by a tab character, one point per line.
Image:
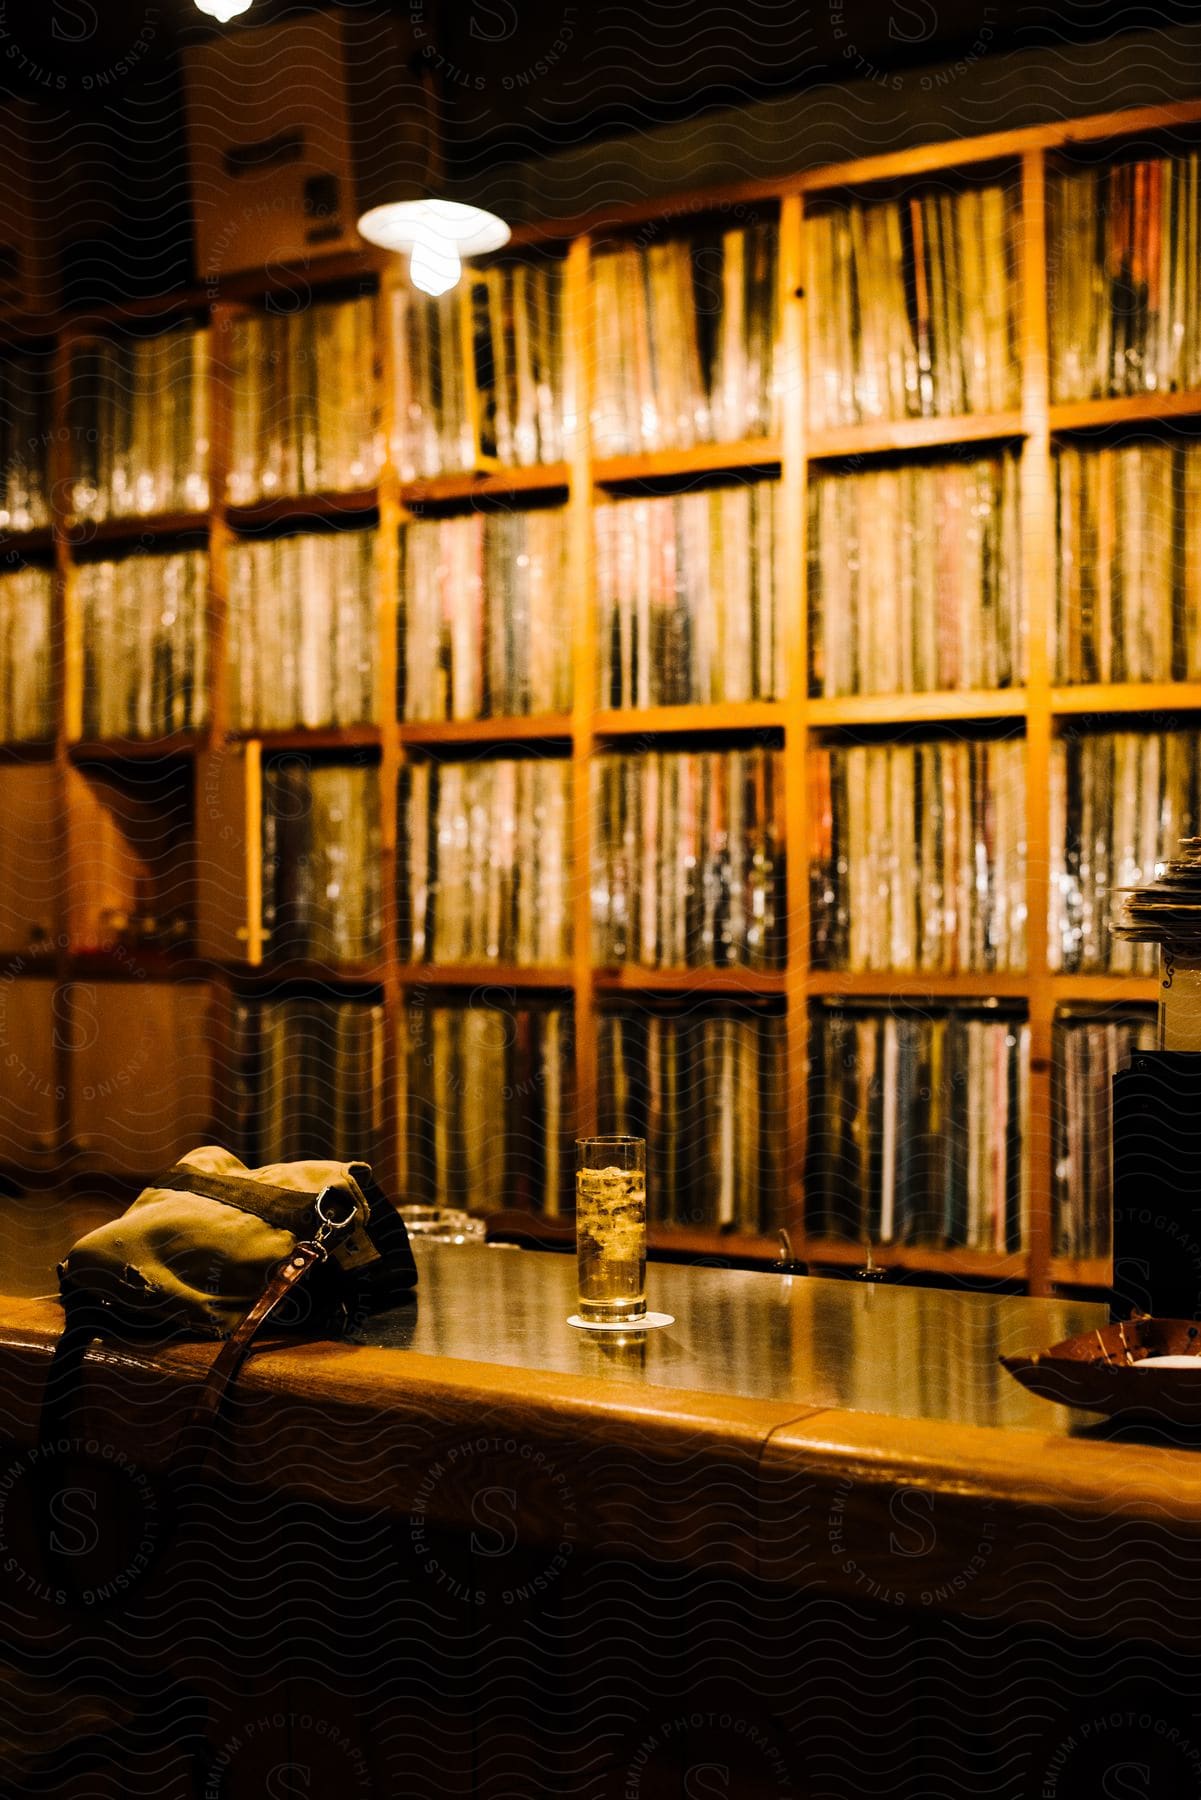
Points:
610	1203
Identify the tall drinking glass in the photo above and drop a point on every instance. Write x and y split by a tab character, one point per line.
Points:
610	1214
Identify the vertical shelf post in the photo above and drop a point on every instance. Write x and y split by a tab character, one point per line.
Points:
578	341
1038	574
66	685
793	610
387	616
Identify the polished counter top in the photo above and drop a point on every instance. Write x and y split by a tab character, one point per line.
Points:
908	1352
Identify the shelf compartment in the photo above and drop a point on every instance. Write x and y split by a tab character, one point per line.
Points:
27	750
635	979
31	874
310	974
696	1241
883	436
132	858
434	490
919	985
1128	697
118	750
1126	409
699	459
314	737
482	975
916	709
1082	1271
302	509
30	543
82	533
1105	989
933	1259
29	1098
537	728
139	1075
735	715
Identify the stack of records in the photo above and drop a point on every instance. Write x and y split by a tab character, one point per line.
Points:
304	407
138	418
485	860
321	848
145	645
705	1089
688	870
309	1079
917	1121
488	1106
485	627
301	634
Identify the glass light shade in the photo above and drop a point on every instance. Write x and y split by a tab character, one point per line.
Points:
437	234
223	10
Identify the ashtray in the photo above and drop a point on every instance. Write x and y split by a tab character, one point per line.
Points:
1139	1368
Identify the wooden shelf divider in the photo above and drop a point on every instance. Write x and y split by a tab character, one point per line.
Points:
886	436
536	729
917	709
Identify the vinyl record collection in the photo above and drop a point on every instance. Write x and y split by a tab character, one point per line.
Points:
485	618
301	631
26	693
915	578
308	1079
688	860
479	372
145	645
919	856
138	424
488	1103
917	1121
26	434
686	598
321	850
1089	1047
305	413
1120	801
685	335
705	1088
813	484
485	861
913	306
1128	562
1124	277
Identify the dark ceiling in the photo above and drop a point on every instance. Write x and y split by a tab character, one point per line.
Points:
520	79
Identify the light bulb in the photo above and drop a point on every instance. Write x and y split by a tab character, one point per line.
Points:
437	234
223	10
434	263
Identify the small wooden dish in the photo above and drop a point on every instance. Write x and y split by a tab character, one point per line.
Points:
1099	1371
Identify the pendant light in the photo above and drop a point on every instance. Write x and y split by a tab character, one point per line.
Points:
223	10
424	222
437	234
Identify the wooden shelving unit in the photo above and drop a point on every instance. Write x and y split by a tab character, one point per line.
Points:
227	765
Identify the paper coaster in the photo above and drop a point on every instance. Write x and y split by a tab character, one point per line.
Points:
646	1323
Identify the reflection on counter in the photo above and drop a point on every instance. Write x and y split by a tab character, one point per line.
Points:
904	1351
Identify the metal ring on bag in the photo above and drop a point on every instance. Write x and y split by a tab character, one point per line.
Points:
337	1224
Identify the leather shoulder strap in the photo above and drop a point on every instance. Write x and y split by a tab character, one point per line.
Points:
195	1438
275	1205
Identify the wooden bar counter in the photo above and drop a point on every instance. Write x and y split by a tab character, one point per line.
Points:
812	1534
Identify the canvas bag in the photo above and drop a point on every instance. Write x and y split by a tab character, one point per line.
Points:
196	1250
214	1249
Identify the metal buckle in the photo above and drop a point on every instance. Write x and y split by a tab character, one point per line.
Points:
334	1224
